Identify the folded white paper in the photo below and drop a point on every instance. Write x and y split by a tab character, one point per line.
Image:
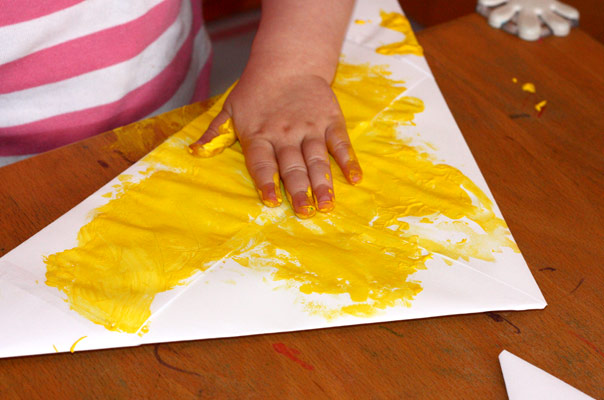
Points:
232	300
524	381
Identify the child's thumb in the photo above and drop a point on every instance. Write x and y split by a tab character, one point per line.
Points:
219	135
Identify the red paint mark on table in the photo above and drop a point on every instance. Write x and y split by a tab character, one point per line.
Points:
540	112
587	342
291	354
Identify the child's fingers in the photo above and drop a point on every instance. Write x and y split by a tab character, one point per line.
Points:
263	168
319	172
341	149
295	179
199	148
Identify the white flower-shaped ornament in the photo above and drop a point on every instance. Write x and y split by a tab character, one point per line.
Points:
529	19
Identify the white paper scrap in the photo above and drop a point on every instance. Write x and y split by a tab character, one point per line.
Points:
524	381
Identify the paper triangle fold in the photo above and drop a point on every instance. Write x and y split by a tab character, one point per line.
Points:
525	381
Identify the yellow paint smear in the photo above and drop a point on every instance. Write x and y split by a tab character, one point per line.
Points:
73	346
362	21
55	347
226	137
398	22
186	213
539	106
131	144
529	87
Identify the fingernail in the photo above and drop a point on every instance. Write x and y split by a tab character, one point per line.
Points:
305	211
308	208
325	203
269	196
302	204
355	176
354	172
326	206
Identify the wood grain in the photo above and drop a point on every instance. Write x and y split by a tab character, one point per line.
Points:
546	173
432	12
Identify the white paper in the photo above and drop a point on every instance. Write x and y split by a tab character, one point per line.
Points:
36	319
524	381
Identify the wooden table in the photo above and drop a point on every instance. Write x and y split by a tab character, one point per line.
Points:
547	175
432	12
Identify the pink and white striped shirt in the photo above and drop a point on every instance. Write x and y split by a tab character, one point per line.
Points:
70	69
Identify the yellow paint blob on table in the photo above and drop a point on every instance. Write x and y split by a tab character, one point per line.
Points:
398	22
73	346
529	87
186	213
515	80
539	106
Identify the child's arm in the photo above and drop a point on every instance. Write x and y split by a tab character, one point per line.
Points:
285	113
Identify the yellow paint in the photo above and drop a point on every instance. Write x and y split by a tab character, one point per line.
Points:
529	87
184	214
306	211
73	346
226	137
362	21
277	190
398	22
514	80
268	200
55	347
144	329
539	106
131	143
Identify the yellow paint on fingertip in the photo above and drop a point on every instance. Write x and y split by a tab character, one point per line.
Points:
354	174
398	22
325	206
278	193
305	212
271	203
226	137
529	87
73	346
267	201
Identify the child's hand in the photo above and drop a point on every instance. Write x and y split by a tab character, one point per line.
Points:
285	115
286	124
